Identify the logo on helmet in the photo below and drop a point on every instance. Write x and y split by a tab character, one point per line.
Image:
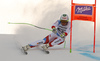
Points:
64	15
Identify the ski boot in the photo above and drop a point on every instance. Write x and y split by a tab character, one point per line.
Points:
45	47
27	47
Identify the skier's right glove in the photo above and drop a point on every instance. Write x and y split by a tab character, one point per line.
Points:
54	30
62	35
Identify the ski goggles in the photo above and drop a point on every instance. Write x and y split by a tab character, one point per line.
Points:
64	21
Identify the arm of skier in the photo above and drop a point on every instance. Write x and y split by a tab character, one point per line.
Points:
54	27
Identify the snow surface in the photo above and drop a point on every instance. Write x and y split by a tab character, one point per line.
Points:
44	13
10	51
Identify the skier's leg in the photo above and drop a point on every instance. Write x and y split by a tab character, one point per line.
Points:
49	38
56	41
46	40
33	44
45	47
36	43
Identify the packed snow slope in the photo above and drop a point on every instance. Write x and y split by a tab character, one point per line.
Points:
10	51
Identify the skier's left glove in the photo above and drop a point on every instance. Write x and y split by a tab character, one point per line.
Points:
54	30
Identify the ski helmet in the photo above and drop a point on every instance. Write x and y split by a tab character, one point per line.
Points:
64	18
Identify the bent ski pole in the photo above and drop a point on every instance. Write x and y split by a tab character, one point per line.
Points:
31	25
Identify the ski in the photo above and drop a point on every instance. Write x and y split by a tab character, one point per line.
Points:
25	52
21	47
47	52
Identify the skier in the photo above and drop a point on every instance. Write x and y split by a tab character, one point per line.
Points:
60	30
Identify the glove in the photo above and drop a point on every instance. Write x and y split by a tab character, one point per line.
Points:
54	30
62	35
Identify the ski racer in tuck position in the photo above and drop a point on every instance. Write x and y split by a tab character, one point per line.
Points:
60	30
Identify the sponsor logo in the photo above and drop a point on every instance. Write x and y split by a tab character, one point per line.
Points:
40	43
87	10
58	40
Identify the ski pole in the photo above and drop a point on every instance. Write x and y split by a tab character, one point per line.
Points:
64	43
31	25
